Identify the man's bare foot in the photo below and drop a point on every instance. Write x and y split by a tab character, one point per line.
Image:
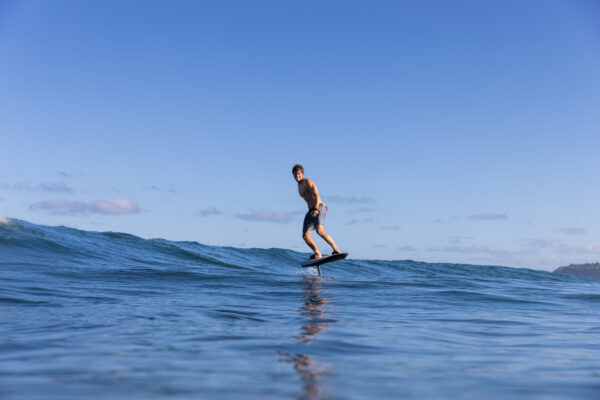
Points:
315	256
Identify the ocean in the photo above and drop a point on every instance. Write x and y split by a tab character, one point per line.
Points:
105	315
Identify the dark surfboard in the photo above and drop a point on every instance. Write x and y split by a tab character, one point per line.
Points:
325	259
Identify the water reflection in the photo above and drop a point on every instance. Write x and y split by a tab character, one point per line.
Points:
314	308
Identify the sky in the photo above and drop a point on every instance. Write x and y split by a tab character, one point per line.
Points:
460	132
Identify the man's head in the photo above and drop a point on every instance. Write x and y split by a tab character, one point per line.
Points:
298	172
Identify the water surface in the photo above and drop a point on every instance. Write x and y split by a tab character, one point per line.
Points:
109	315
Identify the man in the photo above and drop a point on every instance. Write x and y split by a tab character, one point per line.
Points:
316	212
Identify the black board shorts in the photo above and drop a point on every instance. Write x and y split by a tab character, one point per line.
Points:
311	222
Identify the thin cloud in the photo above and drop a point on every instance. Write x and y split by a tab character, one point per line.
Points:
351	200
55	187
61	207
70	174
210	211
406	248
582	249
390	227
443	221
544	243
155	188
474	217
487	217
364	221
460	239
473	249
278	217
114	206
572	231
361	210
563	248
50	187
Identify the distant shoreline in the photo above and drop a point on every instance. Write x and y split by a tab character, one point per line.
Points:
591	269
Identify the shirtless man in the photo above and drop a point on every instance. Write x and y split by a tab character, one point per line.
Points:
316	212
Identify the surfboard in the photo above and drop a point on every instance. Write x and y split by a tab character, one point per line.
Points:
325	259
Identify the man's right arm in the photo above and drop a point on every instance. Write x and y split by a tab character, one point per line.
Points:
316	199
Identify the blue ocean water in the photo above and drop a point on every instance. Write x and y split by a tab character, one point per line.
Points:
90	315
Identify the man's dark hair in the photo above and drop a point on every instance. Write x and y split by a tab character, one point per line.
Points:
297	167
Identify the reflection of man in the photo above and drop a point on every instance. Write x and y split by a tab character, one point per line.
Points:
305	365
315	217
313	309
308	373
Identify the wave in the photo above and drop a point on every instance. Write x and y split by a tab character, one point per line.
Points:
125	255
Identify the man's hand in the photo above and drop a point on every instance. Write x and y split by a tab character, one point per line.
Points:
315	213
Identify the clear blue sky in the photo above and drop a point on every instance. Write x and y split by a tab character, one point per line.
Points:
463	131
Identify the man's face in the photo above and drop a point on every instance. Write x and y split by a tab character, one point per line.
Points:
298	175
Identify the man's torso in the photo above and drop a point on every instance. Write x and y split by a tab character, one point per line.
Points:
307	193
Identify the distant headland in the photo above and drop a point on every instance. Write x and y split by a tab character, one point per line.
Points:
592	269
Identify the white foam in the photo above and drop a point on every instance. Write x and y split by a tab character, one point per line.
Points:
4	220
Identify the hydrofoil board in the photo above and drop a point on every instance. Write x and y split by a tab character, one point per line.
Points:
325	259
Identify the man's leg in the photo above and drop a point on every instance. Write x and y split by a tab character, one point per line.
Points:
311	243
327	238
